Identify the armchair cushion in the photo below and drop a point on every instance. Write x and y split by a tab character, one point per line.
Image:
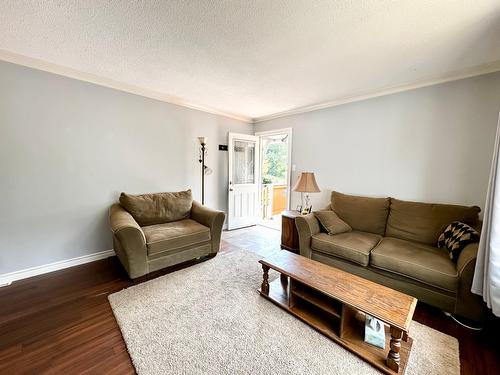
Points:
354	246
158	208
417	261
175	235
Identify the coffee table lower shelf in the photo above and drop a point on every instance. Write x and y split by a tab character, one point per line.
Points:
341	323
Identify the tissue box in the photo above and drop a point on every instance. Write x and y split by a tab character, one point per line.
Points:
374	332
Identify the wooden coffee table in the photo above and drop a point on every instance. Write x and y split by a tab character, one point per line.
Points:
332	301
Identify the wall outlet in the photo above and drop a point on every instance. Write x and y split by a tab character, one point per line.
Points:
222	147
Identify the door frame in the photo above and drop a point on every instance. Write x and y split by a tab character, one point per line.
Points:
262	134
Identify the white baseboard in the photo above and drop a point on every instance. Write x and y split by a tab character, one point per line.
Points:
9	278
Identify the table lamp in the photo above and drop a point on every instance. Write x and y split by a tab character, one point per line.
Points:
306	184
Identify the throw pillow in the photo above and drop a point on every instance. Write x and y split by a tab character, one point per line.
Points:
331	222
455	237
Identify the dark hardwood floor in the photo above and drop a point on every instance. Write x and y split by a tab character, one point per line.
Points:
62	323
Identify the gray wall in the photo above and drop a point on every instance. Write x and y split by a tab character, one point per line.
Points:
431	144
68	148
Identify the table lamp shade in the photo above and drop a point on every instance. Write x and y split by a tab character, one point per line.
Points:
306	183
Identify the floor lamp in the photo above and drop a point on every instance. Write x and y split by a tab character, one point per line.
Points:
203	143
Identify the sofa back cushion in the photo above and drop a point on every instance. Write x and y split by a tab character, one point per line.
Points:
424	222
362	213
158	208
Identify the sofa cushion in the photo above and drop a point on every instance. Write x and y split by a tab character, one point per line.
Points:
332	223
362	213
417	261
149	209
424	222
174	235
354	246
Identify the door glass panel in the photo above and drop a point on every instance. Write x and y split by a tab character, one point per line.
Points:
244	162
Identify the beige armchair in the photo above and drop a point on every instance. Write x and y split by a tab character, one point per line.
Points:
154	231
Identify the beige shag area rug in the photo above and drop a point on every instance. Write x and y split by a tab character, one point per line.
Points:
210	319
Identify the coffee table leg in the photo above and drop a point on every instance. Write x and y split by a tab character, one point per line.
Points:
265	282
393	358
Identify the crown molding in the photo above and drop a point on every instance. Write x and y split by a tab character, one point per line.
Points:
453	76
106	82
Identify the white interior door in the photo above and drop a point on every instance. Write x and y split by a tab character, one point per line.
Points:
243	205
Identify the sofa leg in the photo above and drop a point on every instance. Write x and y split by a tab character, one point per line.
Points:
478	327
206	257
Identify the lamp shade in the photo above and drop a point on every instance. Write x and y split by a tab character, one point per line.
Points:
202	140
306	183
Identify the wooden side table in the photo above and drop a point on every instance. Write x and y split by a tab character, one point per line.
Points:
289	234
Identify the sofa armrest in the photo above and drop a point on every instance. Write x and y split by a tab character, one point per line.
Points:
129	241
468	304
307	226
213	219
466	257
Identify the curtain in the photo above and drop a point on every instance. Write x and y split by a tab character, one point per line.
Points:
486	280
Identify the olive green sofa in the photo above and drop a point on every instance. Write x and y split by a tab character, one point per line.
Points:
393	242
154	231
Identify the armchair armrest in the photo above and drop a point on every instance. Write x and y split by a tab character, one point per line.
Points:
307	226
129	241
120	219
211	218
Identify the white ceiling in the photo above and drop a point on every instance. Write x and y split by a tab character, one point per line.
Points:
259	58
